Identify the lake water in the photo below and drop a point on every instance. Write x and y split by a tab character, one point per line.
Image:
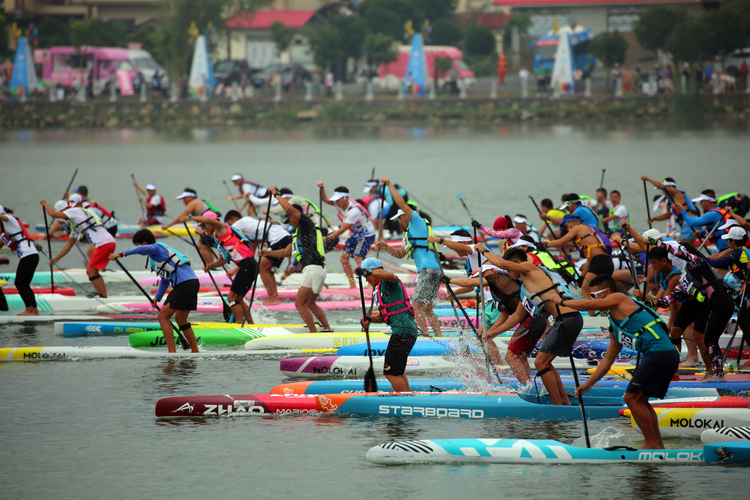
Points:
86	429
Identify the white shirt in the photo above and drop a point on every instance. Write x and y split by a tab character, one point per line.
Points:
253	189
253	228
523	74
13	226
359	220
374	207
96	235
676	261
472	259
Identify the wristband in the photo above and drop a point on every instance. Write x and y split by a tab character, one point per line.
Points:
562	302
442	240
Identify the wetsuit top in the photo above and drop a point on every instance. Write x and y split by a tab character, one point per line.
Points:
308	243
417	234
663	280
643	331
158	253
393	304
15	236
698	279
709	220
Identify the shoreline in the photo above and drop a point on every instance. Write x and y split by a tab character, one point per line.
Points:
131	113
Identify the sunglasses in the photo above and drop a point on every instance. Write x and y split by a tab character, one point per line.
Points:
594	295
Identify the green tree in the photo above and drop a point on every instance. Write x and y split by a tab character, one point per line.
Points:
479	41
379	48
689	40
741	10
53	31
4	28
389	16
610	48
352	31
325	44
153	37
446	32
282	36
435	10
520	21
725	30
655	25
96	33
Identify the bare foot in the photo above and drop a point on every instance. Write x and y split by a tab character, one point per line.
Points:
272	301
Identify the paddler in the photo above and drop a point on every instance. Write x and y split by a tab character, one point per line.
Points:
355	218
502	228
415	246
307	249
236	248
14	234
373	201
713	217
593	245
174	270
247	189
195	206
674	195
278	239
395	310
636	326
538	288
85	224
156	207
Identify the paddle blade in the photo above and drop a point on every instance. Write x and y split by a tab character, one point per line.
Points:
458	195
371	385
4	305
183	341
227	312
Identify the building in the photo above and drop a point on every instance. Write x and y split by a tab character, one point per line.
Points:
126	14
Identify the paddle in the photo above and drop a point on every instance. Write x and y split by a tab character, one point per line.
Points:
260	247
71	182
473	220
227	310
601	184
742	303
138	195
705	240
371	385
230	195
575	378
183	341
552	234
631	265
484	314
648	205
49	247
380	218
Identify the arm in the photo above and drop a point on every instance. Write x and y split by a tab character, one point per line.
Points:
219	227
65	250
189	208
461	249
342	228
720	262
518	315
4	218
502	263
742	221
280	253
384	275
255	200
294	214
163	285
323	195
604	365
708	219
503	235
399	252
139	188
610	302
465	282
397	198
53	213
565	239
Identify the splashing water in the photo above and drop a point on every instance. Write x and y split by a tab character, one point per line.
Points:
609	436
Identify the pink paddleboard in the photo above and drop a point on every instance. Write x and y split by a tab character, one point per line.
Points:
211	307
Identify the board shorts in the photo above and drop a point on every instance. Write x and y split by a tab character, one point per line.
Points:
358	246
245	277
428	286
100	259
654	373
492	313
314	277
112	230
527	335
279	245
397	353
602	264
554	342
184	297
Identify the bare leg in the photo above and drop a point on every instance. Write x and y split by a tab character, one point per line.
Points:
98	284
676	334
692	347
269	283
205	251
551	379
318	311
515	363
303	298
645	417
698	337
347	268
399	382
240	309
425	313
419	317
181	317
587	277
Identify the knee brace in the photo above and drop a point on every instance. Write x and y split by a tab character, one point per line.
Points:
185	327
543	371
95	277
235	303
677	342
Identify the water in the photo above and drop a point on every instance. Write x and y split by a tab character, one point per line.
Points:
86	429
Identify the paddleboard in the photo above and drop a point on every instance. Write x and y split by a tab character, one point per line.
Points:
79	276
7	320
725	435
60	290
294	280
52	302
214	306
686	422
543	451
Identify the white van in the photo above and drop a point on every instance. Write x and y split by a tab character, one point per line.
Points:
147	65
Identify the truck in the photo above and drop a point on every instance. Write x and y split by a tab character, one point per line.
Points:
544	49
391	74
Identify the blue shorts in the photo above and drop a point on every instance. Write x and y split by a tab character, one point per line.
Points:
358	246
655	373
686	232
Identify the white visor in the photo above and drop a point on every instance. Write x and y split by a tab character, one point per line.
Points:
702	198
150	187
185	194
521	243
75	198
337	195
461	239
369	186
237	177
730	223
667	183
398	214
520	220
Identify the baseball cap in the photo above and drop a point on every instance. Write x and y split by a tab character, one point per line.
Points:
729	223
703	197
570	218
83	190
75	198
398	214
652	233
188	192
150	187
237	177
60	205
338	193
371	264
210	215
736	233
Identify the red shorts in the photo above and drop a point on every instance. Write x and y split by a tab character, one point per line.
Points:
100	259
526	336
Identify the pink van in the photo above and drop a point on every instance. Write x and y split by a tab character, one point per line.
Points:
397	68
63	66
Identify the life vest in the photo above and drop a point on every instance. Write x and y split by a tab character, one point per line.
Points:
726	214
365	202
208	206
165	270
599	223
563	268
252	191
106	216
613	225
78	231
632	340
232	241
604	242
359	227
156	210
393	308
738	269
533	302
412	242
13	240
298	249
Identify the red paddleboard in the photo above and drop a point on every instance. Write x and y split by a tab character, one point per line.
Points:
734	352
62	290
207	406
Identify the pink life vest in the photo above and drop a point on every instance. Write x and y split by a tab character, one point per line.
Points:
356	204
234	247
383	308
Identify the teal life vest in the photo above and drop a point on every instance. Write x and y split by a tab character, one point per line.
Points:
165	270
633	340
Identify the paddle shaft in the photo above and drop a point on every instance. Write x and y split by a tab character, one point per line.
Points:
705	240
380	219
575	378
180	337
49	248
552	234
601	184
138	196
366	326
473	220
484	311
631	265
71	181
262	243
230	195
648	204
205	265
737	324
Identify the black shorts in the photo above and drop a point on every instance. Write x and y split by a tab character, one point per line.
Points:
184	297
245	277
397	353
279	245
654	373
602	264
112	230
554	342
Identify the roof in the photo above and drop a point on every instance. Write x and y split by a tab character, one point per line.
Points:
264	19
492	20
558	3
